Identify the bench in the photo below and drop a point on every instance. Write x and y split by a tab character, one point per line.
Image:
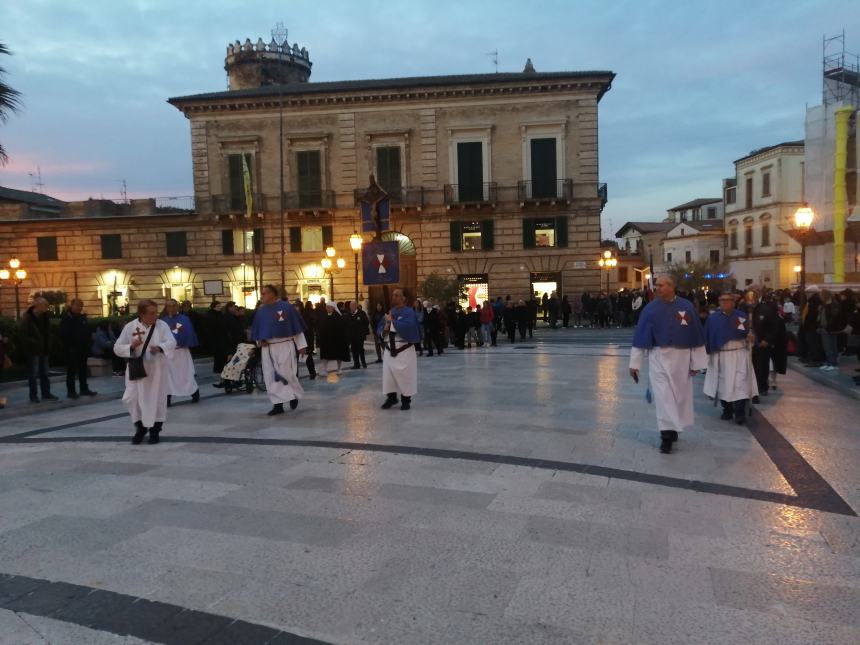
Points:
99	366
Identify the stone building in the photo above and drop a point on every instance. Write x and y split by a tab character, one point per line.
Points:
493	179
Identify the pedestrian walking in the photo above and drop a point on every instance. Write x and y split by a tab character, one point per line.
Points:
399	332
831	323
358	328
181	376
334	338
77	338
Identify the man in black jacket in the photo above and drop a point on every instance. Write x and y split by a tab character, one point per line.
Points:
769	331
35	338
77	338
358	326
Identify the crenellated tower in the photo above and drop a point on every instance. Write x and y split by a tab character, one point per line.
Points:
252	65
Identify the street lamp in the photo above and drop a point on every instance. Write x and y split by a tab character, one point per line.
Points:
327	263
607	262
803	217
355	242
17	275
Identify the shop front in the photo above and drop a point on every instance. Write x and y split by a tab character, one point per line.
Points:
113	291
242	286
178	283
474	289
545	283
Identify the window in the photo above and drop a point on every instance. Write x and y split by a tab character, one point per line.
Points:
622	274
309	164
388	169
765	233
304	239
472	236
731	195
733	239
545	233
688	256
237	164
765	184
712	212
177	243
749	192
715	256
47	248
111	247
668	258
470	171
227	241
748	237
544	168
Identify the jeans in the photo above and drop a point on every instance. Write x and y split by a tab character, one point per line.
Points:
830	343
37	369
487	332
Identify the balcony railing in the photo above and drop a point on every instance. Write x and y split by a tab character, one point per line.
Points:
465	194
316	200
403	197
235	204
552	190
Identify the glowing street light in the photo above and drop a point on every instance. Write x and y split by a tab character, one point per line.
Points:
803	218
355	242
17	275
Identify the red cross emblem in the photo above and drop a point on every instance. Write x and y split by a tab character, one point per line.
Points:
682	318
379	263
177	328
742	324
280	315
139	333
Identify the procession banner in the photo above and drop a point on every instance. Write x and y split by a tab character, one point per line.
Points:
381	263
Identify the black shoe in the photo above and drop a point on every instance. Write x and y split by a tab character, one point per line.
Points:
378	360
405	402
726	415
294	404
356	367
169	400
89	393
364	367
73	395
740	420
219	384
755	399
312	376
666	441
277	408
35	399
195	398
154	431
390	402
49	397
139	433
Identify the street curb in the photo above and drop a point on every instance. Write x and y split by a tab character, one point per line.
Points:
811	374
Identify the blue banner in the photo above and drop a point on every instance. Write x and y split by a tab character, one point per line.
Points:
381	263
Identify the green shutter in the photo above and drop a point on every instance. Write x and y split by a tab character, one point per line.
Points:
295	239
528	233
258	240
328	236
561	231
470	171
310	178
46	248
543	163
488	242
388	168
227	241
456	236
237	183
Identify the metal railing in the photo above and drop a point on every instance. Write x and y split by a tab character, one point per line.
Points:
181	204
406	196
309	200
482	193
552	190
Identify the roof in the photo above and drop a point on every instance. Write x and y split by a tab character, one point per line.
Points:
400	83
785	144
29	197
645	227
696	203
706	226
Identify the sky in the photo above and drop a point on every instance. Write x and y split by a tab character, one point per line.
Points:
699	83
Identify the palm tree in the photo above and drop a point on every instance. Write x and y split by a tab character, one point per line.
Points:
10	101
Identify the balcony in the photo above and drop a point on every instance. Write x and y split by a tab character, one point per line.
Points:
550	191
400	198
232	204
484	194
309	201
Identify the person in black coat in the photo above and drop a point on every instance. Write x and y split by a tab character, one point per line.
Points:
307	313
522	316
432	329
358	328
334	337
769	331
509	319
77	338
35	337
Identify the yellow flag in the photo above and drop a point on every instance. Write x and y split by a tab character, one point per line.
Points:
249	196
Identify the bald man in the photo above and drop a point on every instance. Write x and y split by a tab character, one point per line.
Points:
670	334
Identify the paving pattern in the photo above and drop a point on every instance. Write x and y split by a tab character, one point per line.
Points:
521	500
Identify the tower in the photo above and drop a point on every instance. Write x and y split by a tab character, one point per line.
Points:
256	65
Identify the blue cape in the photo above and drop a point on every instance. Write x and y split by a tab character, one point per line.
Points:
405	324
720	328
669	324
183	330
277	320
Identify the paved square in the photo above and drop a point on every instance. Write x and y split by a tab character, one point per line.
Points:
521	500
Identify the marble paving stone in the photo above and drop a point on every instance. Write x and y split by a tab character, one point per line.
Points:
26	629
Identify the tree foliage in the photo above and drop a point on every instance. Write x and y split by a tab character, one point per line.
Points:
10	101
441	289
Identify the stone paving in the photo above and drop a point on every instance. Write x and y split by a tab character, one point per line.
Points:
521	500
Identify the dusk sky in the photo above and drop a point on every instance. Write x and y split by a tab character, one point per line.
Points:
699	83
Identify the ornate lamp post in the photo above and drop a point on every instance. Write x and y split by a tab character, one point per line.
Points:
17	275
355	242
327	263
607	262
803	217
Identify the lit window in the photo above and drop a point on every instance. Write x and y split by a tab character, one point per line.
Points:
312	238
472	236
545	233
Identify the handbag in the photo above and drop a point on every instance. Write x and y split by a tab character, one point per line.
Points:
136	371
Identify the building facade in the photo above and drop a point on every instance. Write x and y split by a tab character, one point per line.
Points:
691	242
493	180
760	204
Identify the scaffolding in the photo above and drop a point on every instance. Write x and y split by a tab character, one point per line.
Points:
841	72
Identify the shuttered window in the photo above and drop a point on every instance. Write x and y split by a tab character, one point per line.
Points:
111	247
227	242
544	168
309	164
237	180
295	239
328	236
388	169
46	248
456	236
470	171
176	243
258	240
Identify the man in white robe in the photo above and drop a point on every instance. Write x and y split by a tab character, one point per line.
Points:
730	378
399	332
146	398
670	335
279	331
181	375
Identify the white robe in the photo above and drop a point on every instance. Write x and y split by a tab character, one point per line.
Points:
180	373
730	373
671	383
146	398
400	373
280	355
